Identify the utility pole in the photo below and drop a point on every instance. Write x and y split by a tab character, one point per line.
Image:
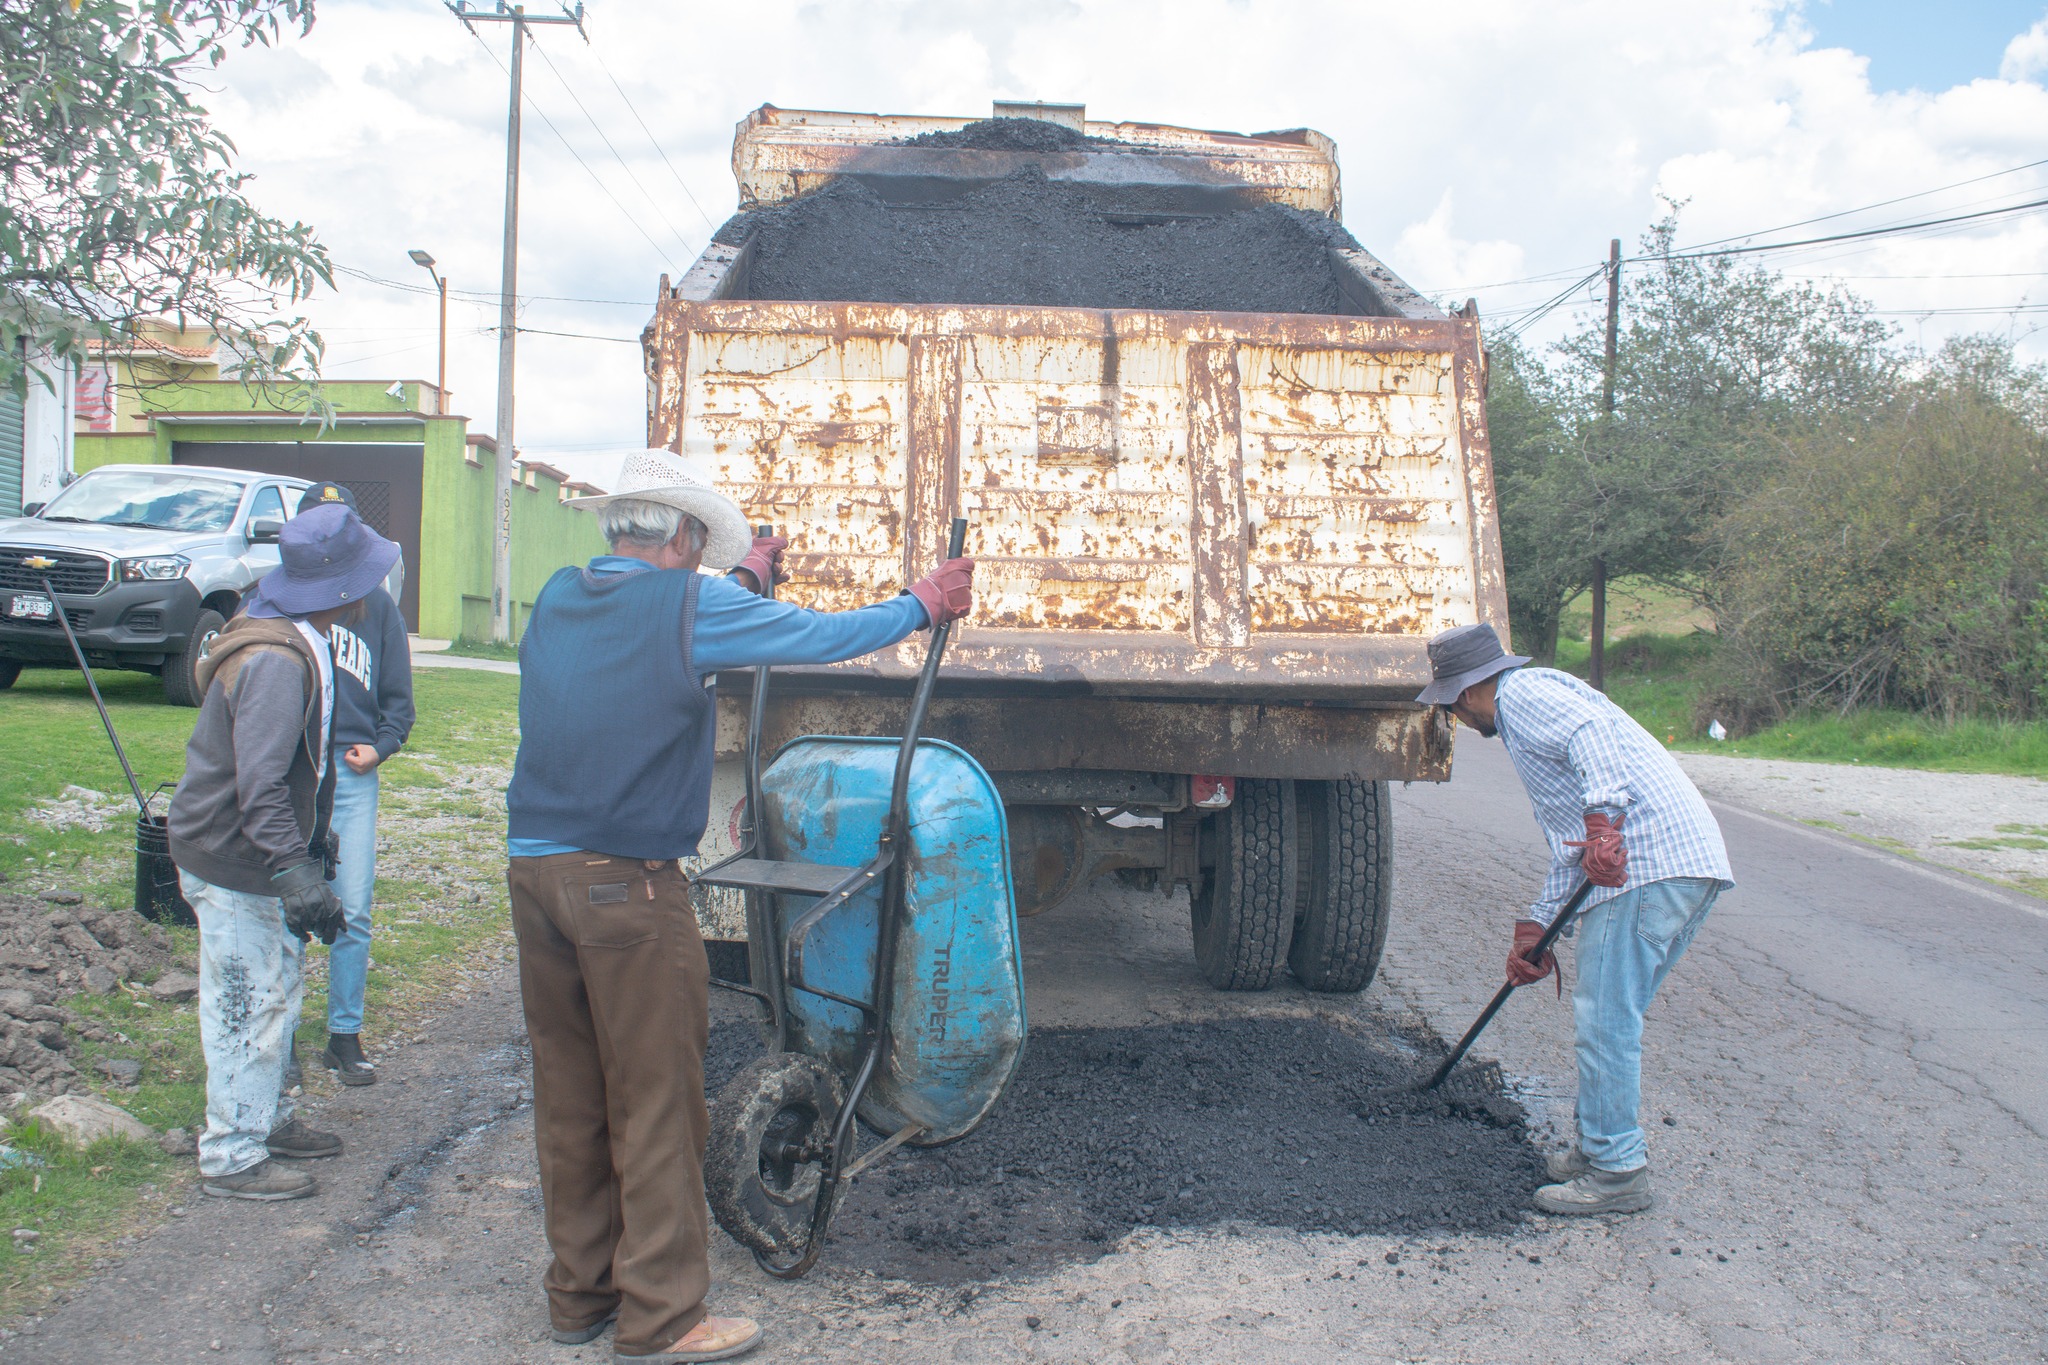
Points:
508	299
1596	669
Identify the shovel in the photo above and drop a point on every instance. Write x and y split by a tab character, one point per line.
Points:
1500	997
141	801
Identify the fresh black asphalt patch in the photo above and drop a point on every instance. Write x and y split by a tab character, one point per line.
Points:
1284	1123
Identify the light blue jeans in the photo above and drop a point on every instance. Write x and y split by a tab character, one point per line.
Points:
1626	948
251	983
348	961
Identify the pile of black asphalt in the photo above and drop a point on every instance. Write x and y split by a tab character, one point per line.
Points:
1029	241
1286	1123
1016	135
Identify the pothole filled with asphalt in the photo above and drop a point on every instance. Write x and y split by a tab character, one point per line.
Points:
1285	1123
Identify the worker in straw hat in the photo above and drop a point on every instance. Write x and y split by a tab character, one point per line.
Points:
1619	813
611	786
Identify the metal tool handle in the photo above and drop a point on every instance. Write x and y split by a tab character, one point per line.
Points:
899	790
760	907
141	802
1500	997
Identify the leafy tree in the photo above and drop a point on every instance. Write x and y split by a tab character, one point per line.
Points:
1542	487
1905	562
119	200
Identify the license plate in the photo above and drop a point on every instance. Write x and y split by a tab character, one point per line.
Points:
31	606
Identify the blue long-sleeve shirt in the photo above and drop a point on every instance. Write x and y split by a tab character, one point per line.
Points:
736	628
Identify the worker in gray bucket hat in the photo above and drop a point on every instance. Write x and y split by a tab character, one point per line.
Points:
1590	770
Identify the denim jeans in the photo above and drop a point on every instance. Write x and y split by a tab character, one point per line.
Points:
348	961
1626	948
251	984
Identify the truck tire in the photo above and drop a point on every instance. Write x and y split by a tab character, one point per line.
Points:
1243	910
180	675
9	671
759	1195
1347	837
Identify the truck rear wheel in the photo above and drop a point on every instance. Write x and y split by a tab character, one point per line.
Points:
1346	864
1243	911
180	677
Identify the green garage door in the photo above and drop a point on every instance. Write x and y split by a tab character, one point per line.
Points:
12	444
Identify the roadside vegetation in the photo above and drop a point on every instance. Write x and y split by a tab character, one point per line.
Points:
440	910
1834	545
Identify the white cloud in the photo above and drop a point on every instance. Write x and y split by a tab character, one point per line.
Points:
2026	56
1481	140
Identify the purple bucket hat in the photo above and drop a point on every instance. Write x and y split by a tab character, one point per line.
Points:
331	559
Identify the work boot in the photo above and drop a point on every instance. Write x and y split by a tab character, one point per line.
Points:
711	1339
295	1140
1598	1192
1567	1165
266	1181
293	1076
576	1336
344	1057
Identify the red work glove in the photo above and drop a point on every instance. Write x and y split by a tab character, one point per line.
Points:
764	562
1605	860
947	591
1520	970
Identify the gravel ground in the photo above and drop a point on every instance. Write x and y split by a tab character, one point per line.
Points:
1983	824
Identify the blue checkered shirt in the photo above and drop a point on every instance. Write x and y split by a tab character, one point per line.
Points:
1576	751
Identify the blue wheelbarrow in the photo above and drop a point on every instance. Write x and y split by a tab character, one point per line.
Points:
883	944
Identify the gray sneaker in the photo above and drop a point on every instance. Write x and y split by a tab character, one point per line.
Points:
295	1140
1569	1164
266	1181
1598	1192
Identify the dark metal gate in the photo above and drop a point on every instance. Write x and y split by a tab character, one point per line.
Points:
384	476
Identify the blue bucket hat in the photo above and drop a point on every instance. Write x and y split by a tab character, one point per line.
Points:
331	559
1461	656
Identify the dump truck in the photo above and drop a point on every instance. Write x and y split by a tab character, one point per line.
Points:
1225	475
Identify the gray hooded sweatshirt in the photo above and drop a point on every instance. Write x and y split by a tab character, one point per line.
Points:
251	799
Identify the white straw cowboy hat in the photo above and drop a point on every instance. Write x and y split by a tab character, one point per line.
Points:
684	483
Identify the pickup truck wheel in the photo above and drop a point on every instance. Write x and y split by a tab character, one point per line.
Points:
9	671
777	1112
181	682
1347	835
1243	910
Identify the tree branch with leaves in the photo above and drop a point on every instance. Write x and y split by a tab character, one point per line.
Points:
119	200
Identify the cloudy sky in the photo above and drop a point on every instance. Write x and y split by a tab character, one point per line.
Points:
1489	148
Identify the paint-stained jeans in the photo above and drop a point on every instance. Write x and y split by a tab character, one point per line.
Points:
348	962
251	983
1626	947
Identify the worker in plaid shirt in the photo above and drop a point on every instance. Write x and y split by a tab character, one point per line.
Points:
1618	812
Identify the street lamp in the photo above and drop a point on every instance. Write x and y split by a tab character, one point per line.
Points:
426	263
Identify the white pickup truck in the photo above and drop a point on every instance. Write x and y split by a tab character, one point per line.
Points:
146	561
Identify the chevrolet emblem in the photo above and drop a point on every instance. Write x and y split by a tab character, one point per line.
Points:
38	562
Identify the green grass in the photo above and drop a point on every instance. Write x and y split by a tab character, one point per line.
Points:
484	649
1656	679
440	910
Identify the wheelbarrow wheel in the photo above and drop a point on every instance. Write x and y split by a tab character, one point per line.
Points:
769	1127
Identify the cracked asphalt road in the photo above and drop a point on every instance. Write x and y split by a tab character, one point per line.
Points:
1846	1086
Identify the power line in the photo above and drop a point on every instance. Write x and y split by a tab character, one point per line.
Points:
651	138
480	295
1694	254
570	148
684	241
1880	204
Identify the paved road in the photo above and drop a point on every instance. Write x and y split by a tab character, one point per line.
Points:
1853	1063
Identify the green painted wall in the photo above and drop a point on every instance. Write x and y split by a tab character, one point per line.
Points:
455	492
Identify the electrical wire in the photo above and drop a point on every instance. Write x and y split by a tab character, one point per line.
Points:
1880	204
490	297
599	57
571	149
587	118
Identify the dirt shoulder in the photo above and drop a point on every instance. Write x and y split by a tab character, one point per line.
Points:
1988	826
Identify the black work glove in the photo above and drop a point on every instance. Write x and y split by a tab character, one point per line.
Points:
310	905
327	848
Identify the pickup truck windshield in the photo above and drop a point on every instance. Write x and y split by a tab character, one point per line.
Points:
169	501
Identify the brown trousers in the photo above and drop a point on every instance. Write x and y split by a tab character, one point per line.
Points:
613	975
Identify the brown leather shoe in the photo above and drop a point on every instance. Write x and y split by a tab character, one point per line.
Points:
711	1339
265	1181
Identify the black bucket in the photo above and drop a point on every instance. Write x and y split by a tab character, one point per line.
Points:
157	895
